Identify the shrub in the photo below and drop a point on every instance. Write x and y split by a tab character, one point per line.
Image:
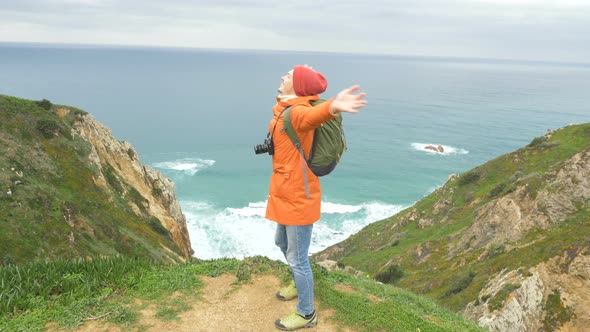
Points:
390	275
460	283
131	153
157	192
112	179
244	272
134	196
555	312
497	302
44	104
549	145
48	128
497	190
536	141
156	225
495	250
468	178
516	176
77	111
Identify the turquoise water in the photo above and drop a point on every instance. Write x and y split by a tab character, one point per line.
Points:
196	115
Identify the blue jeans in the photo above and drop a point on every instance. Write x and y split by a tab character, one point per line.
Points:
294	242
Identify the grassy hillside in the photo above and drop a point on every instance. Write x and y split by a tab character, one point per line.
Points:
68	292
50	205
423	248
71	250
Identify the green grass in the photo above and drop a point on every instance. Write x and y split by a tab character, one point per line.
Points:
453	275
52	185
66	292
497	302
394	309
56	209
557	312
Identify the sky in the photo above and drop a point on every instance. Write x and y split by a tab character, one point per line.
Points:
501	29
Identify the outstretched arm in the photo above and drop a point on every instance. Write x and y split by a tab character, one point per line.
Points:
347	101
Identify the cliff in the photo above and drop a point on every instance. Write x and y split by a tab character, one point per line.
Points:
70	189
506	243
121	161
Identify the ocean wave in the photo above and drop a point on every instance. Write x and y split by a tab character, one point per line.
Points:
376	208
188	166
218	234
339	229
253	209
198	206
328	207
242	232
448	150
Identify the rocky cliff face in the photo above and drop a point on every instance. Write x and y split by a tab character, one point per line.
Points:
562	281
554	295
118	160
510	217
506	243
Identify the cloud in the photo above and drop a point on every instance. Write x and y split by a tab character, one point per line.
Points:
534	29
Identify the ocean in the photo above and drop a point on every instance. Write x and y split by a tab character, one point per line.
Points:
196	115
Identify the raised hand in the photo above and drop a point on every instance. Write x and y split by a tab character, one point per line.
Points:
347	101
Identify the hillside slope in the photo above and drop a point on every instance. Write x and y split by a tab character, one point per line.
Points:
118	293
69	189
507	243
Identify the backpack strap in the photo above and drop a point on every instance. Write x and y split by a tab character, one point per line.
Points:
293	136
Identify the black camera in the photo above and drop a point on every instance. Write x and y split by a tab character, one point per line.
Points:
267	146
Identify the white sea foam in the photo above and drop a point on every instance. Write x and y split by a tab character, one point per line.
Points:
448	150
328	207
241	232
188	166
253	209
230	233
326	234
195	206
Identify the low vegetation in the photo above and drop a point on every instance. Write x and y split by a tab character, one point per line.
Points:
50	204
390	274
453	272
497	302
68	292
71	250
557	312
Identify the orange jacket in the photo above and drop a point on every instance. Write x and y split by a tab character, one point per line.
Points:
287	200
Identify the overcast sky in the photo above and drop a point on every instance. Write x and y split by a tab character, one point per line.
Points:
509	29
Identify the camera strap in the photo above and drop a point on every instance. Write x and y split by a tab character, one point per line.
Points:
276	122
297	145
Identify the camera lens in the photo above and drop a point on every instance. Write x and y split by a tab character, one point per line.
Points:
267	146
260	148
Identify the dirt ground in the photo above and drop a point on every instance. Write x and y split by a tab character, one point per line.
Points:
223	307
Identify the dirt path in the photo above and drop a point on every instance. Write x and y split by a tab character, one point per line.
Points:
249	307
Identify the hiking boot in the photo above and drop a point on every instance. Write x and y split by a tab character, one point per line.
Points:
287	293
295	321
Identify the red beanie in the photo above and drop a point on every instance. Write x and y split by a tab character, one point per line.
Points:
308	82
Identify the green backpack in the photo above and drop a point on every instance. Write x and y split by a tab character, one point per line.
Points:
327	147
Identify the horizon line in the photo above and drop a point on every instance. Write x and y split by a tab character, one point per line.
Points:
449	58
